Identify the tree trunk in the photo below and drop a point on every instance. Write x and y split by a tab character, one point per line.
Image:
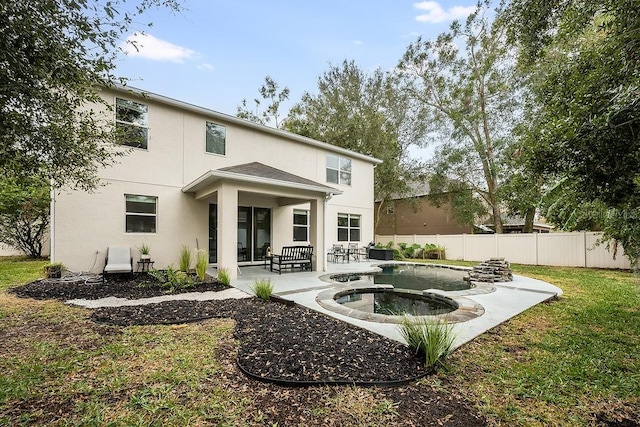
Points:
497	219
528	220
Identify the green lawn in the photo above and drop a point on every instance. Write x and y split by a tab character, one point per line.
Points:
567	362
572	361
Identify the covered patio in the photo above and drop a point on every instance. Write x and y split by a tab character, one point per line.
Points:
237	194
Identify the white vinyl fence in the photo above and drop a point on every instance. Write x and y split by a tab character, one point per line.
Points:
576	249
8	251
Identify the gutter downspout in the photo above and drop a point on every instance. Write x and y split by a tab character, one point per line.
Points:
52	224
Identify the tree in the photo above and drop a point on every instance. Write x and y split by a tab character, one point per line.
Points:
269	92
471	100
583	62
366	113
24	214
55	54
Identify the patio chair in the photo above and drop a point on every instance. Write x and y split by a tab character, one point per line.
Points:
119	260
337	252
354	252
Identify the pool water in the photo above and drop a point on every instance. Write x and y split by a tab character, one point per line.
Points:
390	302
413	277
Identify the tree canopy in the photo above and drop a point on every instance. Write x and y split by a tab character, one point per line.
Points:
583	64
366	113
24	214
470	96
55	54
272	114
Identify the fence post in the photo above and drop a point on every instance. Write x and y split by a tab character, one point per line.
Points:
584	243
536	246
464	246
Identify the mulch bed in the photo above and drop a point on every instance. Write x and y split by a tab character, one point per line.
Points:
286	345
92	287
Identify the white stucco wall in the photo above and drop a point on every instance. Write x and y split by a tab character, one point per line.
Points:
87	223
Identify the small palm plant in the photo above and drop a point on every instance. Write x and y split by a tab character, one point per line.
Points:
263	289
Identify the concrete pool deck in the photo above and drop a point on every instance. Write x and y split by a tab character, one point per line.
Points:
508	300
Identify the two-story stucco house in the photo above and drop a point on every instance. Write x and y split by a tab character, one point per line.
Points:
209	180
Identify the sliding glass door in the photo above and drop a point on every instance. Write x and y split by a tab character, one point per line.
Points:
254	233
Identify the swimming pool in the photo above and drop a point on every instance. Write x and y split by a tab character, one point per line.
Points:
393	302
417	277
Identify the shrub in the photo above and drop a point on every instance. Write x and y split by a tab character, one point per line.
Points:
263	289
185	258
172	280
433	251
53	270
432	339
201	264
223	276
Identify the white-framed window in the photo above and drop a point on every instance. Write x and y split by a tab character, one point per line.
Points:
132	123
140	213
300	225
338	170
348	227
216	138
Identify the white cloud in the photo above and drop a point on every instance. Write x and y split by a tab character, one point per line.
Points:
357	42
205	67
434	13
147	46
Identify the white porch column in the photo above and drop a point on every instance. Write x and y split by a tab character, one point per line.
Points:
316	233
228	228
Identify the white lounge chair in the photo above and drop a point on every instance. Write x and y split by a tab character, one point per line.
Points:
119	260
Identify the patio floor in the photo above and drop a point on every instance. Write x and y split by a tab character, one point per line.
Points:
508	300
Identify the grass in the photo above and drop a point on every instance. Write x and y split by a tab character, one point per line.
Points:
433	340
223	276
573	361
263	289
19	270
202	261
185	258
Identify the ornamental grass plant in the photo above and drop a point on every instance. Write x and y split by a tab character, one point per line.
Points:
432	339
263	289
201	264
185	258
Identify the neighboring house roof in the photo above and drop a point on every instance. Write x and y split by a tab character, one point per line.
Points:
256	172
416	189
245	123
513	222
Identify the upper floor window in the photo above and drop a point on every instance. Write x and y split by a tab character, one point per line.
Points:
338	170
216	138
348	227
300	226
132	123
140	213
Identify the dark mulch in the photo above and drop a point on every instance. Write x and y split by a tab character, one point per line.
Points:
287	344
92	287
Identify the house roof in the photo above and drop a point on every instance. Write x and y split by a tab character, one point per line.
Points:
244	123
258	173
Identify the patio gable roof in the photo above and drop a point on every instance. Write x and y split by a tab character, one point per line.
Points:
258	173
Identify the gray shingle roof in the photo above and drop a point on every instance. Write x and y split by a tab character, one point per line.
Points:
259	170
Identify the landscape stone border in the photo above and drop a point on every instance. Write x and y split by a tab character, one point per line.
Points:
467	309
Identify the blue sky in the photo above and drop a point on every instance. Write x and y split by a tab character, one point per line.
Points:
216	53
